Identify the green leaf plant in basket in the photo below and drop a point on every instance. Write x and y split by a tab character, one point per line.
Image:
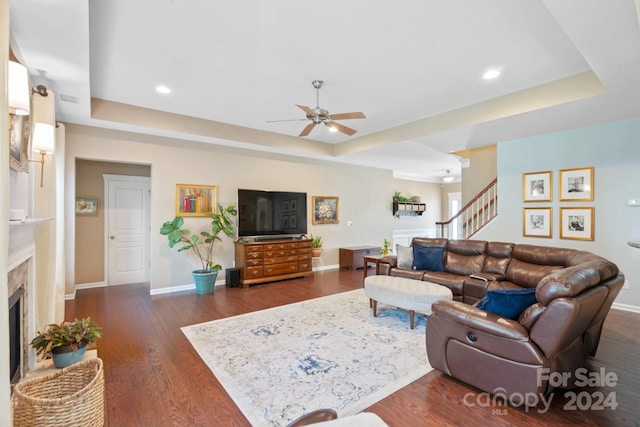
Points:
67	341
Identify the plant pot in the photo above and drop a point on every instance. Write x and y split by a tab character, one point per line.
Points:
66	355
316	252
205	281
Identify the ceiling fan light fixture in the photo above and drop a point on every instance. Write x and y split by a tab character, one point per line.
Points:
448	177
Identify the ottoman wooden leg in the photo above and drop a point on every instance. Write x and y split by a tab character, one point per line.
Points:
411	316
374	304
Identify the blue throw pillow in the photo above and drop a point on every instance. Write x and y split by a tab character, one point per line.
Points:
508	302
426	258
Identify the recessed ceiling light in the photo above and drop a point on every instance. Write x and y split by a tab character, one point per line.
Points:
163	89
491	74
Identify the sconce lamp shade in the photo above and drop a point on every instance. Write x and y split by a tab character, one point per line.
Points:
43	122
18	88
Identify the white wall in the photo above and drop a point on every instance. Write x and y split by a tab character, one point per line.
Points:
365	194
614	152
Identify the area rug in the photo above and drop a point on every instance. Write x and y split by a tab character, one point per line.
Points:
329	352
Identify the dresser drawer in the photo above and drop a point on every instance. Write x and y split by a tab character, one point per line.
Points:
253	273
253	248
254	255
277	269
280	260
304	265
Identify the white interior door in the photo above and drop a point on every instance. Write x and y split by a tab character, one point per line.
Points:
127	229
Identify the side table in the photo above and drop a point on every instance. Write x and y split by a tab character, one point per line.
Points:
352	257
373	259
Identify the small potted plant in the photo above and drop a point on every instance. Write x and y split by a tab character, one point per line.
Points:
202	245
66	342
316	246
386	248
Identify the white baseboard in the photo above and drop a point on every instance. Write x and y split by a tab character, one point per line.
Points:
626	307
72	296
91	285
325	267
180	288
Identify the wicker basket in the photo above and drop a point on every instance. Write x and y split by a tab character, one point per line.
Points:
72	396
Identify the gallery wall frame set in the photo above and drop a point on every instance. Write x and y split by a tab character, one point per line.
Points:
537	187
196	200
537	222
577	223
324	210
575	185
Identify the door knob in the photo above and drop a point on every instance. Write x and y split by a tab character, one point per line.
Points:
112	237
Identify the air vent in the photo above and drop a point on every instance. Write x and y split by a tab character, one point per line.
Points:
69	98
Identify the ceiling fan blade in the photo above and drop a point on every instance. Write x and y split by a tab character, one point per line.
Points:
342	128
345	116
306	109
307	130
288	120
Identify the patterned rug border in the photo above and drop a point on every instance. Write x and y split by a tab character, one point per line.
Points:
387	316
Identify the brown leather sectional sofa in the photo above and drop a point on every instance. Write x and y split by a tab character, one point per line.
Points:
574	292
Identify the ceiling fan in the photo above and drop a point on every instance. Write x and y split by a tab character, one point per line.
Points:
319	115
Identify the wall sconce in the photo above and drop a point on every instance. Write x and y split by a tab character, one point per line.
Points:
43	123
18	89
448	177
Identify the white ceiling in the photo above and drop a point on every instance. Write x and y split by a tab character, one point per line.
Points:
413	67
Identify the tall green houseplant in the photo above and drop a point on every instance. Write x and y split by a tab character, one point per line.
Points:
202	244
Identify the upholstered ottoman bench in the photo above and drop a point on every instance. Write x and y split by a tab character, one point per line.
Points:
408	294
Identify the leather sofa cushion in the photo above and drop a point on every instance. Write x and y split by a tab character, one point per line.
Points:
495	265
464	265
467	247
526	274
499	249
450	280
406	273
541	255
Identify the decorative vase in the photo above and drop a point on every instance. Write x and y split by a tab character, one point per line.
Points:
205	281
316	252
65	355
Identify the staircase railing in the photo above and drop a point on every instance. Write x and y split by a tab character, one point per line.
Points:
473	216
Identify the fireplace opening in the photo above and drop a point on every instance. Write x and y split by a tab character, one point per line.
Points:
15	335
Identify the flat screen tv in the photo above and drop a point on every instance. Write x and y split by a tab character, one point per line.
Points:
271	213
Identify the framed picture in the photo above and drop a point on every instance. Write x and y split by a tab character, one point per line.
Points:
536	187
536	222
576	184
195	200
19	143
325	210
86	207
576	223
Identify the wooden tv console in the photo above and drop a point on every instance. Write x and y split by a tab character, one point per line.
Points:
272	260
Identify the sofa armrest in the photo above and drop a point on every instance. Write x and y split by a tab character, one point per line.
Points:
480	320
391	260
455	322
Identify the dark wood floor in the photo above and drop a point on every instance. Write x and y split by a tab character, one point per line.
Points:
155	378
